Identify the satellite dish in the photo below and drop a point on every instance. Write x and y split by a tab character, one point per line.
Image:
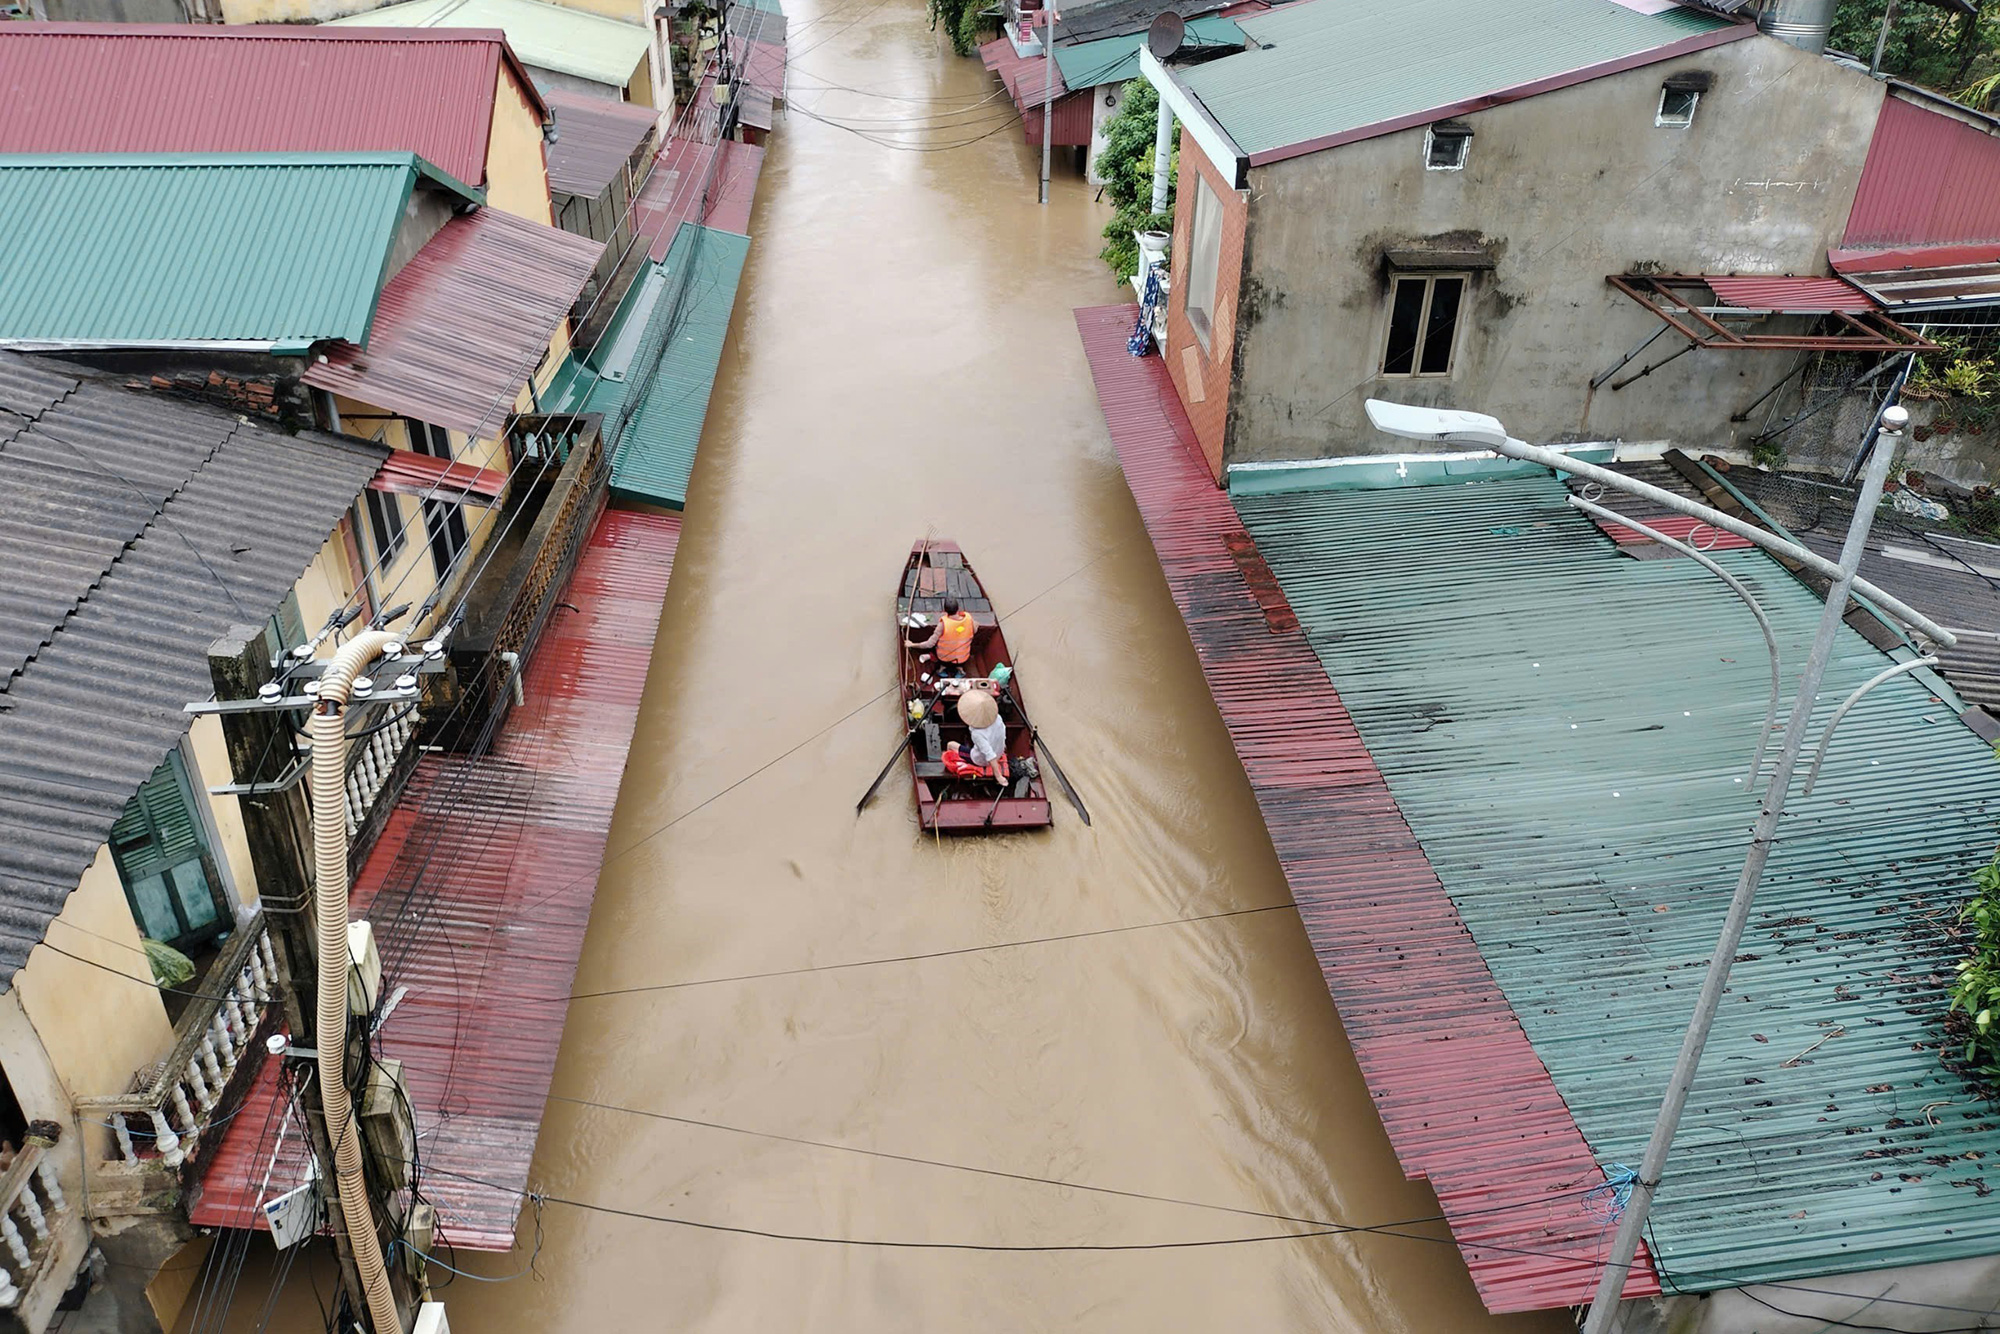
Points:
1164	37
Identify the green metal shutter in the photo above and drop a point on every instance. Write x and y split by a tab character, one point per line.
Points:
162	857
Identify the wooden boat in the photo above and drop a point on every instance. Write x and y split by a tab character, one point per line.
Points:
937	570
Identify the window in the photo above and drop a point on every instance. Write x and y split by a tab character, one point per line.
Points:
1677	107
1678	96
1204	260
1423	324
444	521
1445	146
162	856
385	523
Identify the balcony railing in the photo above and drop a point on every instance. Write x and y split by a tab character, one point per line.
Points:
377	768
510	606
162	1120
33	1212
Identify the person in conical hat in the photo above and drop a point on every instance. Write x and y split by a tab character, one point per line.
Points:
980	711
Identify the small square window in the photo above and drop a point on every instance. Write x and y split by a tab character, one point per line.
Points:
1677	107
1445	147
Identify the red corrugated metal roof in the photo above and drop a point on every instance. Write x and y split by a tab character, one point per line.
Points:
1928	180
1024	79
1797	296
145	88
595	137
1465	1100
762	63
1674	525
672	194
462	326
411	474
476	1036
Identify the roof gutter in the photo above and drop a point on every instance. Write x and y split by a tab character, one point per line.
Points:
1519	92
1215	142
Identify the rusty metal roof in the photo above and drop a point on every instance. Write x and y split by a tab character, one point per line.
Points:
1793	296
137	529
1568	733
1929	179
213	89
406	472
595	138
1465	1100
478	1044
462	326
1925	278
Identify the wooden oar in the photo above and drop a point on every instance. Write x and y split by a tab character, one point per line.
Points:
1062	779
869	795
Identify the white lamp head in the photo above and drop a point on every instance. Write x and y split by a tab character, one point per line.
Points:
1441	424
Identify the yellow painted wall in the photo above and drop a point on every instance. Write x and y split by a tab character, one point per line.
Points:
517	169
96	1028
639	91
625	11
325	585
211	757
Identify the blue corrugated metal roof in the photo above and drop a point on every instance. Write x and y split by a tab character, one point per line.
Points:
116	249
1326	68
1116	59
1567	731
655	451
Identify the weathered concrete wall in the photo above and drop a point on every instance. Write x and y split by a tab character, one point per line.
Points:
1566	188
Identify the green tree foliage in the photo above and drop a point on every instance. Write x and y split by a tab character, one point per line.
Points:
1975	994
1928	44
960	21
1127	167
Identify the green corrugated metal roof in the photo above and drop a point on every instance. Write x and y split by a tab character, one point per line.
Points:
1116	59
1567	731
656	451
138	248
1329	69
568	41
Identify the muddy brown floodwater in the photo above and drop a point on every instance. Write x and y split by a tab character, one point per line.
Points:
904	361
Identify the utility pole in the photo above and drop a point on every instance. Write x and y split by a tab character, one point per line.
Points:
1048	94
278	827
1632	1222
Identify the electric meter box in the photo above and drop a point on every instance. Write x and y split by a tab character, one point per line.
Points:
364	972
386	1131
430	1319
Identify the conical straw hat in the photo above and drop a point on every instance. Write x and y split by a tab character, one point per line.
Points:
977	708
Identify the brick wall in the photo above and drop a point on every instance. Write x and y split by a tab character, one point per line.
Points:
1202	377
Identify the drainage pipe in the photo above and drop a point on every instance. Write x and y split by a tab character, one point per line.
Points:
329	806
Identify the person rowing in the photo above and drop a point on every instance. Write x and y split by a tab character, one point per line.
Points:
952	637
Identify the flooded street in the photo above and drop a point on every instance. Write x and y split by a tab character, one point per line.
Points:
1016	1012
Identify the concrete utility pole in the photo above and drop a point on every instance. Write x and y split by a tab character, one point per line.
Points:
278	827
1048	94
1632	1222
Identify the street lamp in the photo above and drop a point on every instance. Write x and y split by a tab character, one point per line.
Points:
1476	428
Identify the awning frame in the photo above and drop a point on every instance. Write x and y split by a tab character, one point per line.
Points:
1672	298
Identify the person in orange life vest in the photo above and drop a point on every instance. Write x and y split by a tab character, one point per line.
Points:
952	636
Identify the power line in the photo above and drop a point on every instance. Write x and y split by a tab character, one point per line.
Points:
910	958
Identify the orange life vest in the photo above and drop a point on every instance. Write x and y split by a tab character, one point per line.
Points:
955	637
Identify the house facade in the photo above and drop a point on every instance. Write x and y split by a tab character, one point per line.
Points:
156	525
1446	240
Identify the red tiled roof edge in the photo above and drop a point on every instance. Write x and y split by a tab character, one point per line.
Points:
1463	1097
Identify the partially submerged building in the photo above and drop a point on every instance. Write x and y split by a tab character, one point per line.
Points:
1594	220
1511	793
